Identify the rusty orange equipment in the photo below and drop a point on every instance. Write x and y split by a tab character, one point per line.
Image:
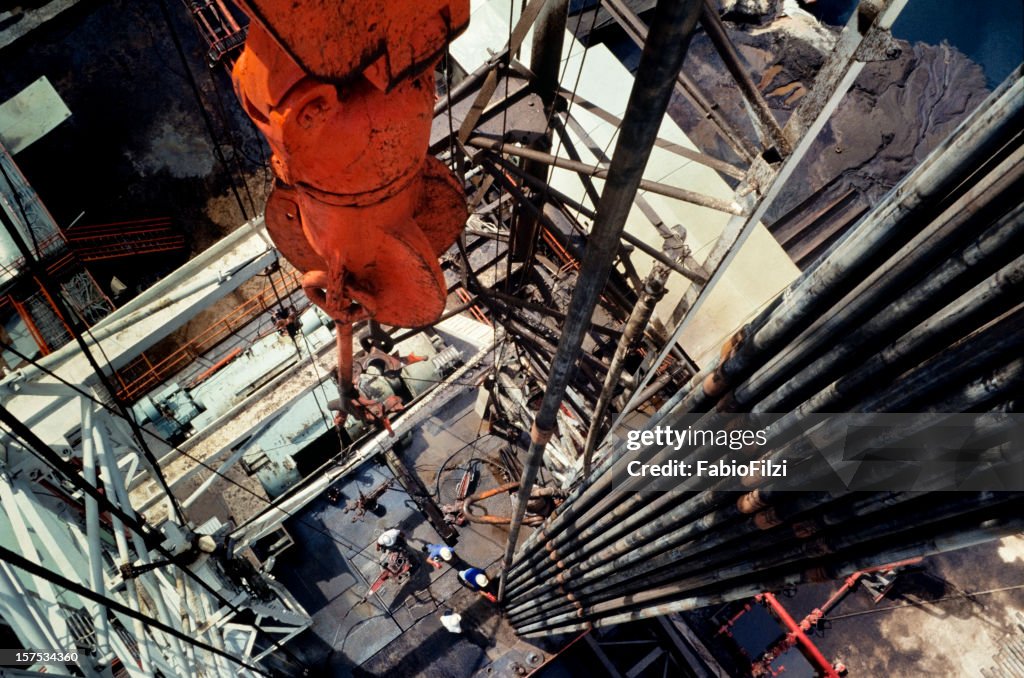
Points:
344	93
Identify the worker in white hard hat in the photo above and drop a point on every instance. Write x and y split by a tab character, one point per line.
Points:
389	540
438	554
477	580
451	620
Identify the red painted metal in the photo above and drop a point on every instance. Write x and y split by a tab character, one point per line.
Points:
26	318
798	637
344	94
797	632
222	33
216	367
475	309
101	242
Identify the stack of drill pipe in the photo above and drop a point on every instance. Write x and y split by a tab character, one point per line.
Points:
742	555
663	547
916	310
822	559
992	294
627	560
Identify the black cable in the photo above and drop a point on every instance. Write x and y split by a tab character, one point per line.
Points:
237	150
440	469
46	283
270	503
328	422
168	19
448	97
23	563
154	541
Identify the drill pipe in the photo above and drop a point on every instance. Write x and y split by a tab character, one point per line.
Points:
986	301
654	290
964	145
965	359
922	194
660	62
681	561
989	530
976	527
930	515
609	568
809	557
916	259
614	578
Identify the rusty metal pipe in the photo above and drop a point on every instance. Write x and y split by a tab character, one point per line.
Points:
984	531
683	550
654	290
588	502
972	527
917	199
767	126
954	366
478	497
621	575
971	310
972	395
660	62
986	300
653	531
591	496
692	197
932	515
658	384
736	545
978	207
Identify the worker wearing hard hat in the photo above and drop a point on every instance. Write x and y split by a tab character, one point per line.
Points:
389	540
437	554
452	621
477	580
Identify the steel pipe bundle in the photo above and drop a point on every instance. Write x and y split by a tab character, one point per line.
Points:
917	309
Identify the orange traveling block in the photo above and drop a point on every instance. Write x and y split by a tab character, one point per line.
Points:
344	93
